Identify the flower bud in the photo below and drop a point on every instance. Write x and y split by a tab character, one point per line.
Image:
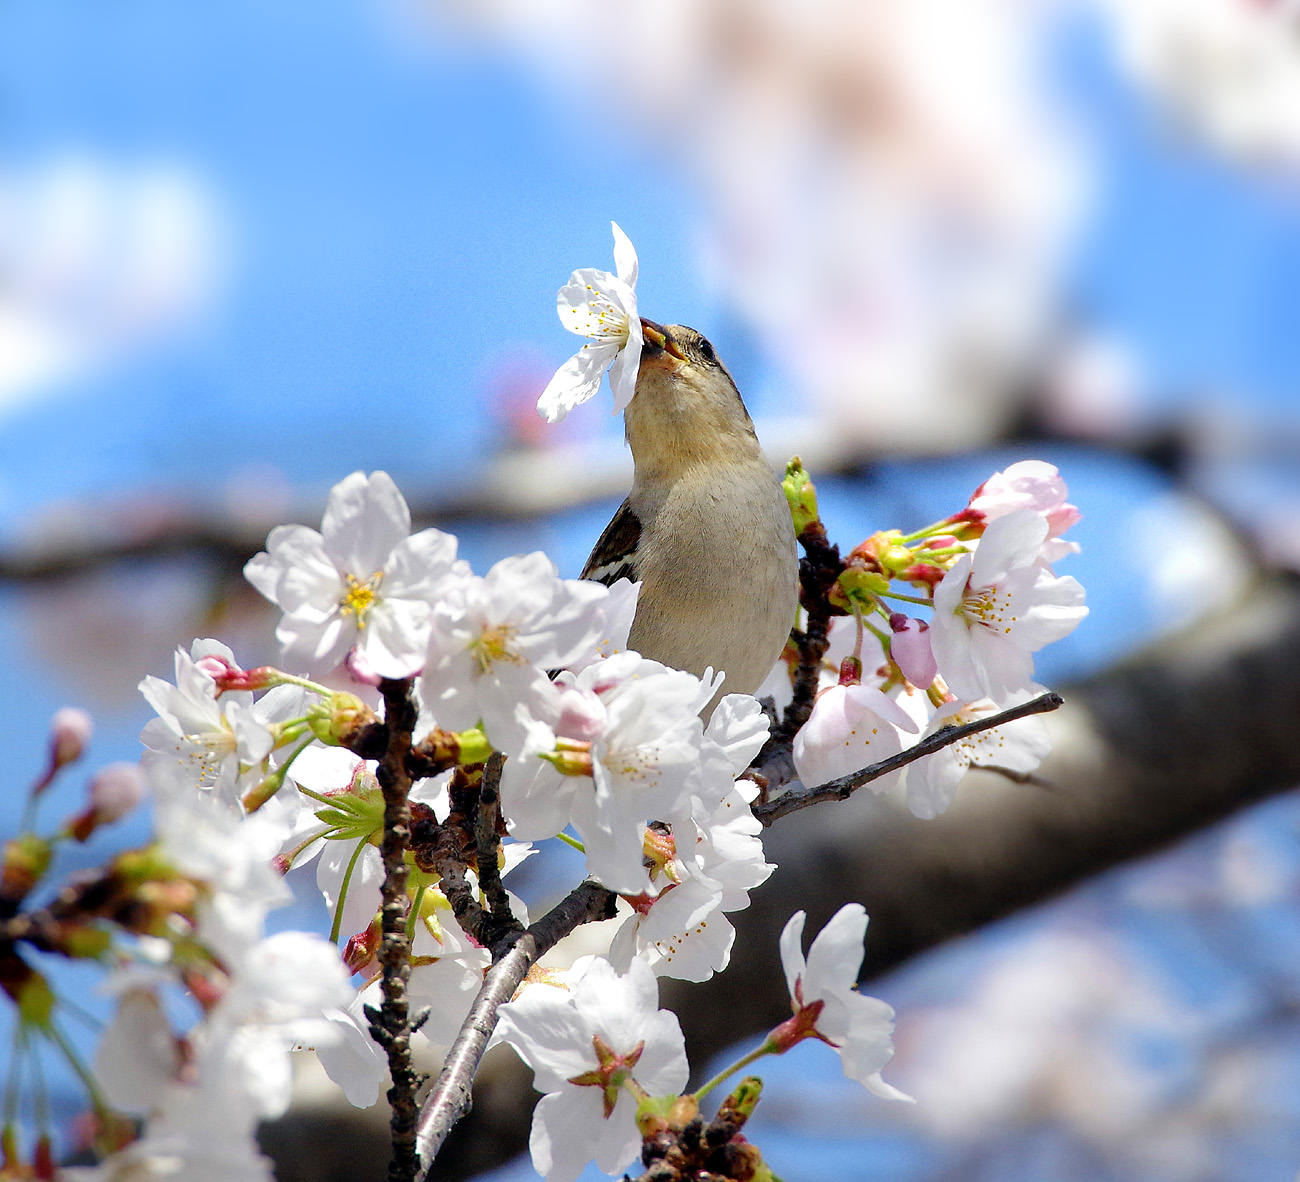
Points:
230	676
925	573
362	948
582	715
336	720
571	757
911	651
472	747
31	991
25	861
800	494
70	731
660	848
739	1106
116	789
43	1167
856	584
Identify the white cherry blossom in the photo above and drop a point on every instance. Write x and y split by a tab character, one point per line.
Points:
199	740
582	1042
363	581
633	747
851	727
494	640
997	607
617	612
233	856
601	307
683	932
1018	746
824	996
1036	485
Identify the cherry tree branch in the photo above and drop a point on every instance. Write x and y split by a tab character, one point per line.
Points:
844	787
450	1098
390	1025
500	920
818	570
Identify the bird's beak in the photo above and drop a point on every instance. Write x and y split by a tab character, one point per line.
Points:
660	338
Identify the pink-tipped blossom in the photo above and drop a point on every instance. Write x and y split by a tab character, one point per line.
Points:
910	648
997	607
851	727
1035	485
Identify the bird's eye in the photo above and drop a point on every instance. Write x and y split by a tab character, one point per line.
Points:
706	350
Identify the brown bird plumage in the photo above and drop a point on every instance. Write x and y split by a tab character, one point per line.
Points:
706	528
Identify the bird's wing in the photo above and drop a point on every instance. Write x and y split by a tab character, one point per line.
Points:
614	556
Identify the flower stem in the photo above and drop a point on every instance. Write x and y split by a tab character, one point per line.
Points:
281	678
413	915
83	1073
923	600
572	841
343	893
767	1048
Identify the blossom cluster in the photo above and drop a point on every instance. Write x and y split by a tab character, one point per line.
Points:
647	770
603	747
987	574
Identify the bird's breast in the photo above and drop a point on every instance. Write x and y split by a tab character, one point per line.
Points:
719	574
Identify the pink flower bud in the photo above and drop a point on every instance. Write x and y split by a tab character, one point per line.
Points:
911	650
70	731
582	715
229	676
361	948
116	789
923	572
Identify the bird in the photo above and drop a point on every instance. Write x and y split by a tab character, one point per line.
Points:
706	528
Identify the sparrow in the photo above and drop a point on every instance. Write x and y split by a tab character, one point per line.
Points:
706	528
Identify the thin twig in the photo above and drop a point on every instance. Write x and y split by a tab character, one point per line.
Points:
500	921
391	1025
450	1097
845	786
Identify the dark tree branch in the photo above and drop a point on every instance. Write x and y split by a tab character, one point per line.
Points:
844	787
818	570
450	1098
500	921
390	1025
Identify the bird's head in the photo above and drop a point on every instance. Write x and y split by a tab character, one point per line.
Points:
686	407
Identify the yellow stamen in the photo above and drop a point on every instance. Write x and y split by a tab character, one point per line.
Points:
360	597
494	644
